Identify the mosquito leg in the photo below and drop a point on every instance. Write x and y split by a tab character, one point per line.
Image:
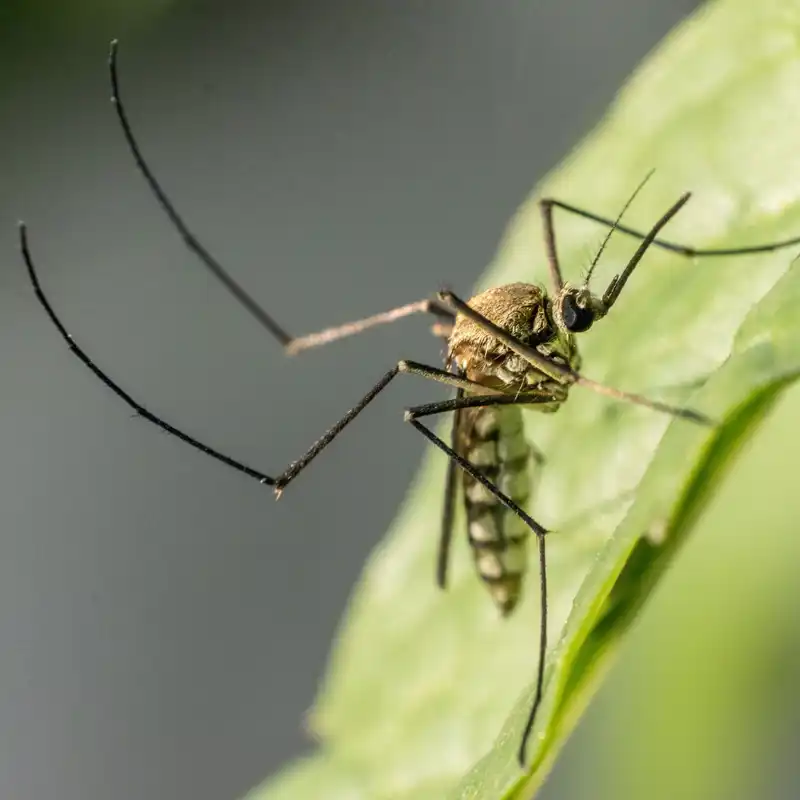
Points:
564	374
539	532
281	481
556	278
546	206
450	491
137	407
530	397
190	240
328	335
461	402
673	247
446	535
290	343
618	281
412	367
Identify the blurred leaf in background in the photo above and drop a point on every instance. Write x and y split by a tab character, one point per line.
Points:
20	19
421	685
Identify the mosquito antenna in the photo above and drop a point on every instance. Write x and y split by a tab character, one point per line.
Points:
615	225
191	241
138	408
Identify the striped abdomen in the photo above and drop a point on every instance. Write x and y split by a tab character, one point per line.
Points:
492	439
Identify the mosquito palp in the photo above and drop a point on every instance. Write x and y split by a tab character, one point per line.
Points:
509	348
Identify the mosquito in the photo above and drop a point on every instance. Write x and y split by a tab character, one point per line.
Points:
509	348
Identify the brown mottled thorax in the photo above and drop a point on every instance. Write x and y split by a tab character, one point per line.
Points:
523	310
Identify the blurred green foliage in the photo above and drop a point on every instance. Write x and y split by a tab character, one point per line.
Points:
423	685
21	20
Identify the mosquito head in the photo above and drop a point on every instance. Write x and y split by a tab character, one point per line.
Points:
576	309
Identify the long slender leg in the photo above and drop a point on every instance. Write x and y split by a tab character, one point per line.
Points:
618	282
291	344
556	278
336	332
546	207
450	492
190	240
673	247
280	481
540	534
531	397
455	405
563	374
137	407
412	367
412	415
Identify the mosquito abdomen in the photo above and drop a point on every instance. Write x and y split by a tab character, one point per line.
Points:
496	446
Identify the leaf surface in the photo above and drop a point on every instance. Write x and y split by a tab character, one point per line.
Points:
427	693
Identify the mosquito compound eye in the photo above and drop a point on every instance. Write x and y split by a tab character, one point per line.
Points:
576	318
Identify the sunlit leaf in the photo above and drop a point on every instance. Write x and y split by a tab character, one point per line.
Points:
425	688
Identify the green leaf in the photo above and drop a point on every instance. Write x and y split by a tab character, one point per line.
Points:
426	687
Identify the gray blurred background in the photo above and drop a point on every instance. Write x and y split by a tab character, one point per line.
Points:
163	622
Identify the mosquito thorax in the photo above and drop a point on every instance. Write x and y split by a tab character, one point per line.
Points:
524	310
